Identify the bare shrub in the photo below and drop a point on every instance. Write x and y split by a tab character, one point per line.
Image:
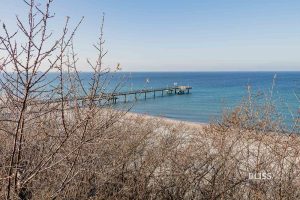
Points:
43	124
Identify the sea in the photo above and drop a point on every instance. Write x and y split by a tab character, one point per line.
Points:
212	93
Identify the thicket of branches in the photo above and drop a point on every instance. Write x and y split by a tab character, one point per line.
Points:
44	124
66	148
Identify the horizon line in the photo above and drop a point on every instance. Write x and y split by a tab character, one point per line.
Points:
204	71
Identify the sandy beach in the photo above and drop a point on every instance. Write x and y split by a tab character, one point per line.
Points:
166	120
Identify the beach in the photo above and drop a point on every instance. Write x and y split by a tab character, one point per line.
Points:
166	120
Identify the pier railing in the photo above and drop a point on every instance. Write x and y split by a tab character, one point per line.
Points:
114	96
169	90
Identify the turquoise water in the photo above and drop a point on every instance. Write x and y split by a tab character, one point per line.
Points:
212	92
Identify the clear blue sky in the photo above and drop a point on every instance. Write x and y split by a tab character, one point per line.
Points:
184	35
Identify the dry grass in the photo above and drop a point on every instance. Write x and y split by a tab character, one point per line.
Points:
142	157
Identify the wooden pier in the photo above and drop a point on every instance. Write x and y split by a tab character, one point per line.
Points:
113	97
156	91
145	93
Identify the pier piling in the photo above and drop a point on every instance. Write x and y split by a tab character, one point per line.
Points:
112	97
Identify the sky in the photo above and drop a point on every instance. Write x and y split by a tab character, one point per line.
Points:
182	35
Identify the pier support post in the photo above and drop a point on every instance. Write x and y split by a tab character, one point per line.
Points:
162	93
145	95
154	94
135	97
125	98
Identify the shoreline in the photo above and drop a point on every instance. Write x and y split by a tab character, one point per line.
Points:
166	119
182	125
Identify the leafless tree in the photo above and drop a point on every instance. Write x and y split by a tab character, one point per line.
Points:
29	97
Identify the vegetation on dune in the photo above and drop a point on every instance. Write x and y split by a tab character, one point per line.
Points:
65	151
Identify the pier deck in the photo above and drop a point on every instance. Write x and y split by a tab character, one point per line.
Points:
113	97
154	91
